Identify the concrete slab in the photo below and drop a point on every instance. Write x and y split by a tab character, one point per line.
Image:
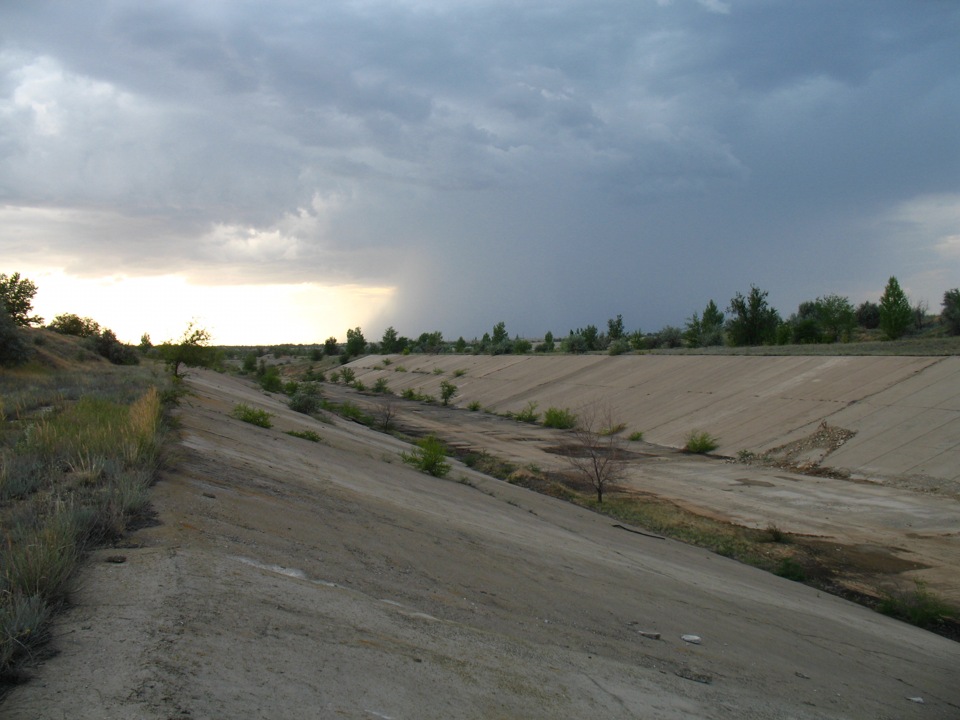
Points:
904	410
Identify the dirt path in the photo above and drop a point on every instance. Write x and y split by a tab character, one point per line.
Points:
293	579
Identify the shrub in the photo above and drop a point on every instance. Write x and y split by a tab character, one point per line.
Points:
529	414
561	419
106	344
474	406
791	570
700	442
347	375
381	386
271	380
14	349
306	400
254	416
429	456
459	373
352	411
951	311
614	429
635	436
618	347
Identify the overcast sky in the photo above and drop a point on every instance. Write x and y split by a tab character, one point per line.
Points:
441	165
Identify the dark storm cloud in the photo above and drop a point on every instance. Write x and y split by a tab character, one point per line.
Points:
547	164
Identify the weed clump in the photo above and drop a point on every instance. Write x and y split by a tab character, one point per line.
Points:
429	456
700	442
917	606
561	419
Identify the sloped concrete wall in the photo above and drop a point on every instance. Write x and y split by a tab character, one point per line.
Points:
905	411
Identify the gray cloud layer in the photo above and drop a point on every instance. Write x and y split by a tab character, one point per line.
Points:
548	164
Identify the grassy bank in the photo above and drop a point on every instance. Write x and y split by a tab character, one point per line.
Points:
80	445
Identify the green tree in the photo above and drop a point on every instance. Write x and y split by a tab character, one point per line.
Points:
591	337
548	344
191	350
16	295
615	328
837	318
356	342
868	315
389	344
500	335
754	322
951	311
461	345
895	311
431	343
705	331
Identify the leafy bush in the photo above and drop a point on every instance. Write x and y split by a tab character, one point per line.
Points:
347	375
254	416
429	456
474	406
381	386
635	436
700	442
561	419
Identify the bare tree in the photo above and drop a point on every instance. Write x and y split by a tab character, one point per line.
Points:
386	412
596	451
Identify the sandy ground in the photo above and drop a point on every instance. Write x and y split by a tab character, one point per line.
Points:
293	579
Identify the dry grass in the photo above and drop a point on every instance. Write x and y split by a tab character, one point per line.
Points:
78	453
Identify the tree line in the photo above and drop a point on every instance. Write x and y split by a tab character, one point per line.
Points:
748	320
